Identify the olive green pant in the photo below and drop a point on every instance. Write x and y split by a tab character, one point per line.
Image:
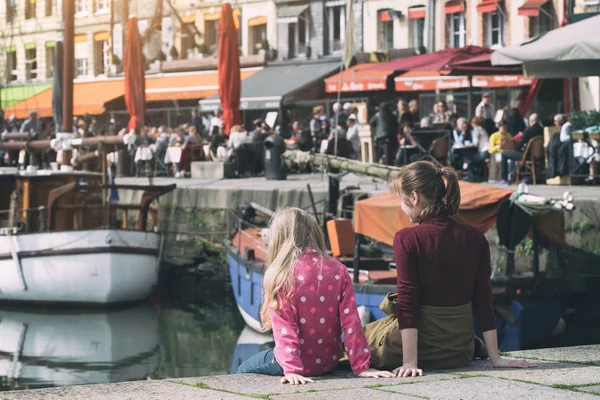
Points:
445	337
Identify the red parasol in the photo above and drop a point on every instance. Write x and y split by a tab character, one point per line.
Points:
135	84
228	64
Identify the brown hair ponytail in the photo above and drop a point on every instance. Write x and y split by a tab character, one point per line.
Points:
437	186
452	195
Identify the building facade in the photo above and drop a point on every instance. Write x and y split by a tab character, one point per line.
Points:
278	29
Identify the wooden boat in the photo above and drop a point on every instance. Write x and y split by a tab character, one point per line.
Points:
62	347
63	241
528	305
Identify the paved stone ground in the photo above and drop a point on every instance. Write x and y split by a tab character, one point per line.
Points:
566	373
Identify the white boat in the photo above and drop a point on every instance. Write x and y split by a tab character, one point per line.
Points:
63	244
70	348
92	266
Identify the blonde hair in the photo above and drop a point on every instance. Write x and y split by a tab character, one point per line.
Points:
291	231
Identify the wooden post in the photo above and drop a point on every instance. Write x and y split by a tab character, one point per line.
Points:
105	182
356	262
68	65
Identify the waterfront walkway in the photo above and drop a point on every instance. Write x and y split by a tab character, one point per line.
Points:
229	193
318	182
565	373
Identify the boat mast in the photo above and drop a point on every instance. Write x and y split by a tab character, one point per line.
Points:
68	64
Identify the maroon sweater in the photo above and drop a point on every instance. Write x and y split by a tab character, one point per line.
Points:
442	262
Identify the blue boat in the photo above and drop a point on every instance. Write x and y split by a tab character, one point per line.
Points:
528	308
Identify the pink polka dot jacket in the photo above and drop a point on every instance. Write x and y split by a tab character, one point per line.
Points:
308	326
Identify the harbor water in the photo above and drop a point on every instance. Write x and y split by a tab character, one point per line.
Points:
190	327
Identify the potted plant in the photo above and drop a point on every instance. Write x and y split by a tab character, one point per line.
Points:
202	50
578	119
593	120
264	48
174	53
161	56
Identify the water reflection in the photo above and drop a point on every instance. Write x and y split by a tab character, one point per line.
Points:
248	344
62	347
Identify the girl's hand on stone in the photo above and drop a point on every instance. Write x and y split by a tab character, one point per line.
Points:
500	362
295	379
407	371
375	373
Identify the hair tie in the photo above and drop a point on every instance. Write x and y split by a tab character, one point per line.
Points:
439	172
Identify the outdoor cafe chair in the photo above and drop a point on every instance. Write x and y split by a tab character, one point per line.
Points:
533	161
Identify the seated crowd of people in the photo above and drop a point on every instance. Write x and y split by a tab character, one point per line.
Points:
480	145
478	149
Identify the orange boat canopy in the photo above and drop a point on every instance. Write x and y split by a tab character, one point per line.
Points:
380	217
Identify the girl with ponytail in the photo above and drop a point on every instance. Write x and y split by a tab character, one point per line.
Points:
444	273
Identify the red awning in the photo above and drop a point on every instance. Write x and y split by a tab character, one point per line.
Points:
431	61
480	64
497	81
453	7
356	79
487	6
531	8
384	16
421	81
416	13
429	80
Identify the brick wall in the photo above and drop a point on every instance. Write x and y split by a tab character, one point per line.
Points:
319	28
441	28
507	21
556	15
282	41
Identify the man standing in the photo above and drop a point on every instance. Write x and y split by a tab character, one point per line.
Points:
196	122
216	122
413	109
486	111
352	136
318	127
386	129
32	126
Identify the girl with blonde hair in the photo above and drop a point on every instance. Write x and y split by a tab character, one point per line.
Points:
308	301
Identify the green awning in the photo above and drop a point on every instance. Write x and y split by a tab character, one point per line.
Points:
14	94
51	43
11	48
29	46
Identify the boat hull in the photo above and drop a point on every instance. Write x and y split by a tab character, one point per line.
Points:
531	319
84	267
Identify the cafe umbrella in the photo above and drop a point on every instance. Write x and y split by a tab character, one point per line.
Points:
228	63
567	52
135	85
